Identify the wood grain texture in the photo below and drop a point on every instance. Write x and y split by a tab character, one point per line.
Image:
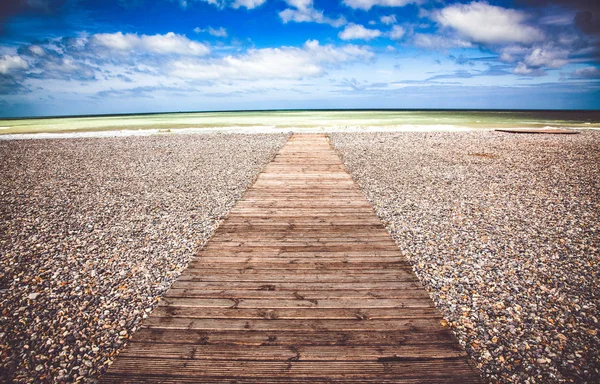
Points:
301	283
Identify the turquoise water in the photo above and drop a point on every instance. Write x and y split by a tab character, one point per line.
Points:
306	119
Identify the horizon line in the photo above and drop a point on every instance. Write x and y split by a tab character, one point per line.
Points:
300	110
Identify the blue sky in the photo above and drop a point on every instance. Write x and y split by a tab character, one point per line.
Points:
62	57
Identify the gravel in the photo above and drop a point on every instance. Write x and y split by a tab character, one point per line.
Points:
94	231
503	231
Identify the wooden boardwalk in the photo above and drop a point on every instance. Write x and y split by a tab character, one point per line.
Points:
301	283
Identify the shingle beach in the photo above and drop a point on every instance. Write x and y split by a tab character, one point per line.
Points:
93	231
503	231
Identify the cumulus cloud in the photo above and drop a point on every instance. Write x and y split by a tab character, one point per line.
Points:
310	60
10	64
303	11
481	22
168	58
37	50
368	4
397	32
512	53
387	20
532	60
358	32
169	43
250	4
548	57
586	73
524	70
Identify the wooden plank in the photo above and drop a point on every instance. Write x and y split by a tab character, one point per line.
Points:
293	353
293	295
275	303
367	267
297	313
316	254
298	286
539	130
274	279
296	258
442	370
301	283
278	325
318	337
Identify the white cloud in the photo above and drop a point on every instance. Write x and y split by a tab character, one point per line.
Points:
37	50
161	44
217	32
302	11
523	69
117	40
10	63
489	24
587	73
532	60
311	60
547	58
358	32
300	3
439	42
250	4
397	32
512	53
368	4
387	20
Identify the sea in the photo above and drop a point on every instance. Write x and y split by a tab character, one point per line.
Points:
294	120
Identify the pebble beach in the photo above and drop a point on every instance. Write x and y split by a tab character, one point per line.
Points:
94	231
503	230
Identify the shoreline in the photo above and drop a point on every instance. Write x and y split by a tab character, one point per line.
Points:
262	130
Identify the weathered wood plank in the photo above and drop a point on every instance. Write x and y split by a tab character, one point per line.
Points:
318	337
293	295
297	313
300	286
274	303
299	265
293	353
393	367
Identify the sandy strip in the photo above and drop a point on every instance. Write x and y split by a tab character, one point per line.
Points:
239	130
258	130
